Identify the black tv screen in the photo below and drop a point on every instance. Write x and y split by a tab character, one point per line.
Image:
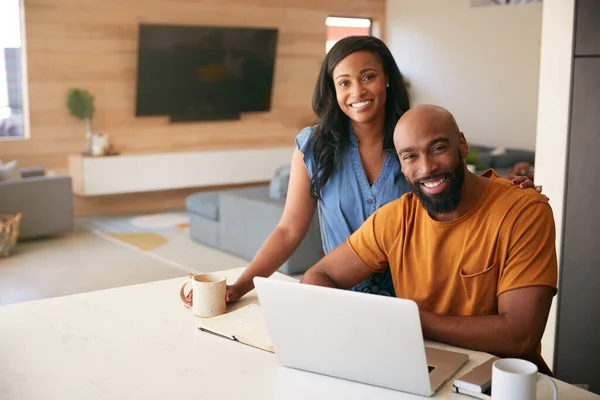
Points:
203	73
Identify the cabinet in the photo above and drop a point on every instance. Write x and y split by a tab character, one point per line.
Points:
578	341
93	176
587	31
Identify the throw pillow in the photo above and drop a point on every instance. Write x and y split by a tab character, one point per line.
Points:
279	183
10	171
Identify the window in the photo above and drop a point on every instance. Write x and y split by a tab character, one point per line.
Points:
339	28
12	92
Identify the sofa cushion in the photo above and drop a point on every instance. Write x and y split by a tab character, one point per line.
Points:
279	183
205	204
31	172
10	171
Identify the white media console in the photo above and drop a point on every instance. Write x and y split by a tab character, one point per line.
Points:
93	176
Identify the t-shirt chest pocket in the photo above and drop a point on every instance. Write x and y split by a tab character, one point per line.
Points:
480	285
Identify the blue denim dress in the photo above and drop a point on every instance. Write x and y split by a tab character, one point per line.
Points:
348	199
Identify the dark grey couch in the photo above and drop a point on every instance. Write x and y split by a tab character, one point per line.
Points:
502	160
46	203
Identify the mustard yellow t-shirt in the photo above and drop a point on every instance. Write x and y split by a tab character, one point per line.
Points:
506	241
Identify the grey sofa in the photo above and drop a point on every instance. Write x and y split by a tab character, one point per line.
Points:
46	203
504	159
239	221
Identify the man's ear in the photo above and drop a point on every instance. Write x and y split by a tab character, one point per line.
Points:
463	145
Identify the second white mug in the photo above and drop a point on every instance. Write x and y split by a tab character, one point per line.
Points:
516	379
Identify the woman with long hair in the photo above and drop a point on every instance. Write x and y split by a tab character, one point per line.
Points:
346	165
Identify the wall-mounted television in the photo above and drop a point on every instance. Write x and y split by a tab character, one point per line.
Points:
203	72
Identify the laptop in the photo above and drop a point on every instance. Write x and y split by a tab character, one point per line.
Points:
361	337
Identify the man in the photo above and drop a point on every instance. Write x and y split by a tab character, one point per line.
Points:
474	252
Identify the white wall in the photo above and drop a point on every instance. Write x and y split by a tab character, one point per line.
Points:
481	63
553	124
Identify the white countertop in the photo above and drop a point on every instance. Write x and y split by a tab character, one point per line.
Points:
140	342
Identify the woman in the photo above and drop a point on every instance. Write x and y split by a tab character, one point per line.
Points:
346	165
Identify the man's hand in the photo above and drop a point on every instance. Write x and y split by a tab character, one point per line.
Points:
515	332
340	268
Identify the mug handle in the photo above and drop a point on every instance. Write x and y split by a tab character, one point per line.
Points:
548	379
187	299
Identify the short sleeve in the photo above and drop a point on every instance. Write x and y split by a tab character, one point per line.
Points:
303	143
370	242
531	259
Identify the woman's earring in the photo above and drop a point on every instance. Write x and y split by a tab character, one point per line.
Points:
388	85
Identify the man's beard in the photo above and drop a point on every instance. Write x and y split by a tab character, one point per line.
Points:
448	200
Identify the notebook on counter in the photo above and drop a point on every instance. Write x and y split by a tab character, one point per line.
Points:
477	382
245	325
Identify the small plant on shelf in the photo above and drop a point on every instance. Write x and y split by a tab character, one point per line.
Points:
473	159
81	105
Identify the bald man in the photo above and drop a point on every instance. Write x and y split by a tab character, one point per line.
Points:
474	252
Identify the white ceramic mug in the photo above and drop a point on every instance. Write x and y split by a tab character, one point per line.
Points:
516	379
207	297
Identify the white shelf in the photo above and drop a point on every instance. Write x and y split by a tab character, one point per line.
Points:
94	176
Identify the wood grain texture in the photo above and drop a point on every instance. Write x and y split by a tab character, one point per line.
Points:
92	44
76	172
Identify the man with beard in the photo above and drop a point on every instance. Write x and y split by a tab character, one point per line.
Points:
475	253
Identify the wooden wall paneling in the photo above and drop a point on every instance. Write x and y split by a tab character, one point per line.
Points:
92	44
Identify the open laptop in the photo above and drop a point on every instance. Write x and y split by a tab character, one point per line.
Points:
361	337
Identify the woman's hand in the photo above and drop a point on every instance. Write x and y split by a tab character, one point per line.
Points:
524	182
233	293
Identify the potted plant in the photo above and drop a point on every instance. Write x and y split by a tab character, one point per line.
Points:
473	161
81	105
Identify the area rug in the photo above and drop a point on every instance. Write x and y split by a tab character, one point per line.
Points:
143	241
165	236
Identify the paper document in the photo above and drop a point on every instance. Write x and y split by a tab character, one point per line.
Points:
246	325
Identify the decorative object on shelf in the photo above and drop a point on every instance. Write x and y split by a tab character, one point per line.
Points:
81	105
100	144
9	233
473	161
